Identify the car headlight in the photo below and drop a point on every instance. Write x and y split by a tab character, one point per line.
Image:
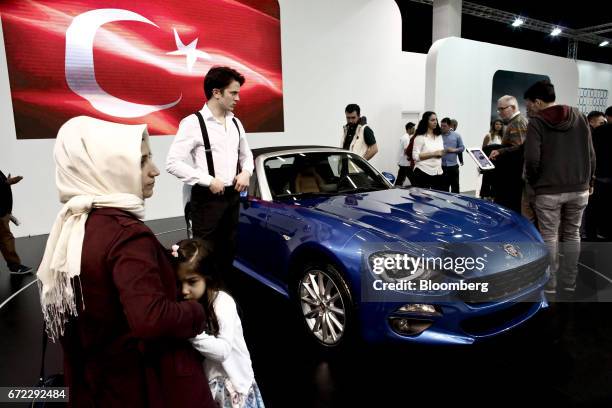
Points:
398	266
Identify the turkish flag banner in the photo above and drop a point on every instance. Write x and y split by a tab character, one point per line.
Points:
138	62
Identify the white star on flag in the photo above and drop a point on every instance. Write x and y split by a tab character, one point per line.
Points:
188	50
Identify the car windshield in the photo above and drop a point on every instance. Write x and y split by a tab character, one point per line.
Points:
320	174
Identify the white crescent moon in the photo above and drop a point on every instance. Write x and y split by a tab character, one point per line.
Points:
80	73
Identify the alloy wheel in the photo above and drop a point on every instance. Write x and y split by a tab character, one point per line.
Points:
323	307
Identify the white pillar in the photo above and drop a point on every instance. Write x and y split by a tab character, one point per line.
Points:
446	19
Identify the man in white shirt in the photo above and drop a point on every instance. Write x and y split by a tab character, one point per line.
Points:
403	161
211	154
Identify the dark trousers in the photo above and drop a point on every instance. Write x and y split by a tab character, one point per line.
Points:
215	220
486	188
508	185
451	178
510	195
597	220
7	244
403	172
424	180
489	177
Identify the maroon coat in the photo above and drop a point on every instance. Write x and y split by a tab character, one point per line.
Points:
128	347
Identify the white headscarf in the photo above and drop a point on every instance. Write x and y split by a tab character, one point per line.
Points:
97	166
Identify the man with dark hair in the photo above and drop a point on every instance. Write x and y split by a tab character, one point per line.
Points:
7	240
210	153
403	161
453	144
560	167
357	137
609	114
596	119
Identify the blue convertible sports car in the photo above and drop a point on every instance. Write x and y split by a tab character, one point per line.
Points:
324	228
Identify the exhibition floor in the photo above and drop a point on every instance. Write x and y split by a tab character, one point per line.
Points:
561	357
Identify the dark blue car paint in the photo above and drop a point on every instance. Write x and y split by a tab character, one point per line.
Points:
272	234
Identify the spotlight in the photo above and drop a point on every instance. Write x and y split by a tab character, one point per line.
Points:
518	22
555	32
604	43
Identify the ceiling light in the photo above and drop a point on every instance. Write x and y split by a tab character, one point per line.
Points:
604	43
555	32
518	22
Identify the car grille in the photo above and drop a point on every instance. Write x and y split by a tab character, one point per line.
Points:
504	284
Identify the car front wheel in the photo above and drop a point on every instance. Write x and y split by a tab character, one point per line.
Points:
326	304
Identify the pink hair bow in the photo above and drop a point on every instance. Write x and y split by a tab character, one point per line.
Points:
175	249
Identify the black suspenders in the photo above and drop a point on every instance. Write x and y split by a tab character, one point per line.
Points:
238	168
208	150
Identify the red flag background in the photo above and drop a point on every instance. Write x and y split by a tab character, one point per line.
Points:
114	63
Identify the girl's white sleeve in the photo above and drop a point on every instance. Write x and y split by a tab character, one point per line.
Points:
218	348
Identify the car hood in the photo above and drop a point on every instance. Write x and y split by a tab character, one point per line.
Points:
425	215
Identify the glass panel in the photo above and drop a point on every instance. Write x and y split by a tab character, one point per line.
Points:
322	173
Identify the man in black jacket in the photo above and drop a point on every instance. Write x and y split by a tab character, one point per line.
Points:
560	167
7	241
598	222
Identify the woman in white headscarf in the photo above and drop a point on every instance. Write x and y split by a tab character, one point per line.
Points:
108	291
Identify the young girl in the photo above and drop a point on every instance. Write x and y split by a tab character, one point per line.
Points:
228	363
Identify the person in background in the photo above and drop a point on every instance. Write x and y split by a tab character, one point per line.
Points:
598	223
454	126
608	114
453	145
491	141
509	185
7	240
427	153
357	137
403	161
596	119
589	226
495	135
560	167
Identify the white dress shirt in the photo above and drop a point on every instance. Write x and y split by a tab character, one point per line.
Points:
428	144
402	160
226	354
187	157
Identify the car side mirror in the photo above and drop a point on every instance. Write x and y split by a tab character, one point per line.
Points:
389	177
